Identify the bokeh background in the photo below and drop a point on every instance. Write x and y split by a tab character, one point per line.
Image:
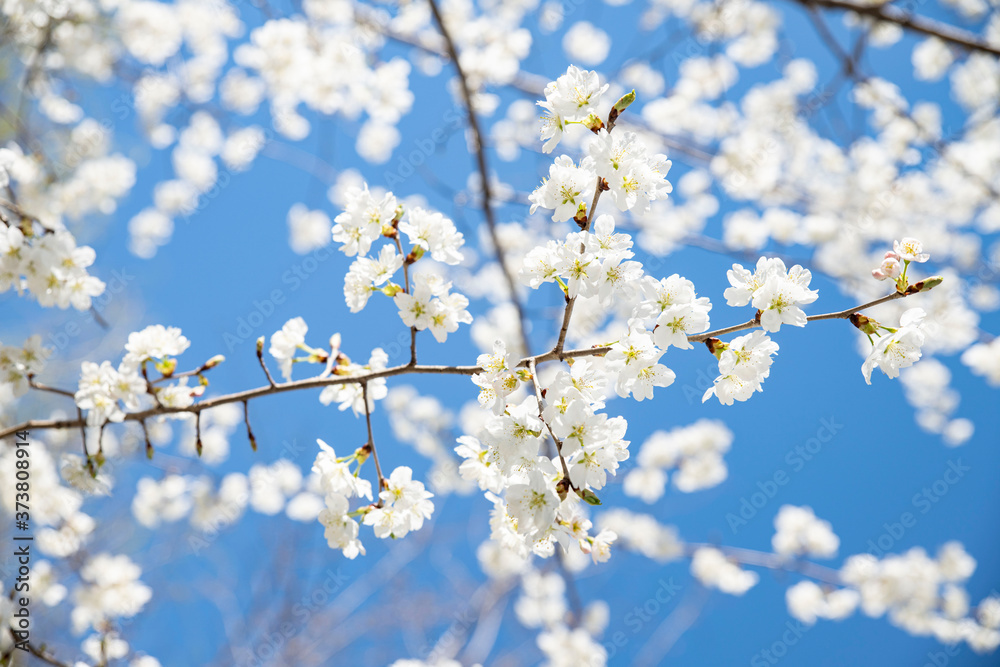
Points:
222	600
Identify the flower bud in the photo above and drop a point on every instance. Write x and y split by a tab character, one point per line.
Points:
589	497
866	324
623	103
414	255
925	285
166	366
214	361
890	268
593	123
716	347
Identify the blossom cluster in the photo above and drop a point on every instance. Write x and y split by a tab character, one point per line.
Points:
105	392
50	267
925	595
537	457
19	363
427	302
618	163
696	451
403	503
800	533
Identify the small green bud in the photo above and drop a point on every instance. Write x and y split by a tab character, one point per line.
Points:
589	497
415	254
166	366
624	101
593	123
716	347
866	324
925	285
391	290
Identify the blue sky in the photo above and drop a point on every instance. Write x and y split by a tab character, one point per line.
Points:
232	260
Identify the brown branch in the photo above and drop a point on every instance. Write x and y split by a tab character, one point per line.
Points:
52	390
912	22
538	397
149	444
246	420
263	365
839	315
484	174
45	657
371	445
405	369
197	433
406	277
570	302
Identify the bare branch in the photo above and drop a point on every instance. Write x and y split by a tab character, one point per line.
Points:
371	444
484	173
405	369
52	390
914	23
772	561
263	365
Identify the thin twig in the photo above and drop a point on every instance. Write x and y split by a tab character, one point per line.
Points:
839	315
149	444
487	203
45	657
197	433
570	302
406	289
52	390
772	561
405	369
263	364
371	444
915	23
246	420
538	397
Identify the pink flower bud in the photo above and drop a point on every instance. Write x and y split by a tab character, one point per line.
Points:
891	268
